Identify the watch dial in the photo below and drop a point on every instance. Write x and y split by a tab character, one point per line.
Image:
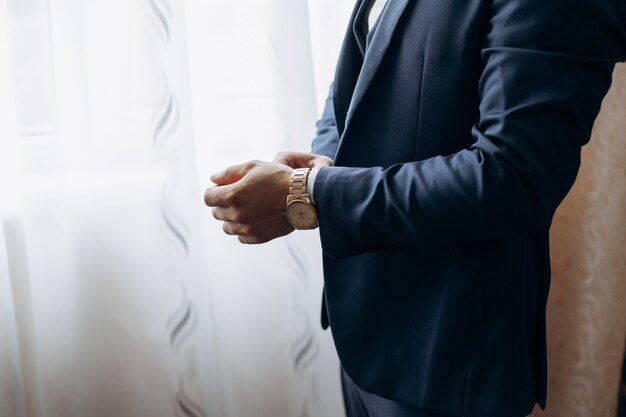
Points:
300	215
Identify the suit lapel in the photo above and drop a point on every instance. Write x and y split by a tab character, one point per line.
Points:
376	51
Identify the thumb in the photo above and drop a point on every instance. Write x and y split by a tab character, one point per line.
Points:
322	161
231	174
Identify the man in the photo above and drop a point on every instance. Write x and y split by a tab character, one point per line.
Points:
451	134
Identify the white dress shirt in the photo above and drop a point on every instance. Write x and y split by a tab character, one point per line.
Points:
377	9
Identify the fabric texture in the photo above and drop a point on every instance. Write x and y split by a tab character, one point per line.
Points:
360	403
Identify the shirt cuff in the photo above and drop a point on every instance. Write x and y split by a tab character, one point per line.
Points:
310	183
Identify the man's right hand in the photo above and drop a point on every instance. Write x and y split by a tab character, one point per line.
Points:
302	160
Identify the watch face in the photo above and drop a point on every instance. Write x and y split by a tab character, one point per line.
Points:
300	215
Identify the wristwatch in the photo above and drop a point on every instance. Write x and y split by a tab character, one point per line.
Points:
300	211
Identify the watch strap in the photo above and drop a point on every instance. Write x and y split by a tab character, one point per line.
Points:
298	182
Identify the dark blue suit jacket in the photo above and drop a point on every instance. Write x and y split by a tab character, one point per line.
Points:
455	138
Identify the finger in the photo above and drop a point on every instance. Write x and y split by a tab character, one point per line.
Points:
250	240
216	196
294	159
225	214
282	158
232	174
235	229
322	161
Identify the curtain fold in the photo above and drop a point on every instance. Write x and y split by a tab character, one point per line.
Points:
12	400
104	289
256	90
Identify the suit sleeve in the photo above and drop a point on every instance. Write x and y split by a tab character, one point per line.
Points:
327	139
547	67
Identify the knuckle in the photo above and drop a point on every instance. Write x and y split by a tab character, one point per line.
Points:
285	158
232	198
239	217
256	163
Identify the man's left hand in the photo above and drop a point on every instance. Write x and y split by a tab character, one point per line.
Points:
250	199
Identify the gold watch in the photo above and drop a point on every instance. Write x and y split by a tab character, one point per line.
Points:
300	211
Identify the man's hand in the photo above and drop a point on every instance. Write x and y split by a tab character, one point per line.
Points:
250	199
302	160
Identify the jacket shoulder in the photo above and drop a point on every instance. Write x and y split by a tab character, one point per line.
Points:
594	28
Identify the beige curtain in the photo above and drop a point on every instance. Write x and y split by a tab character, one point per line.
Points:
587	306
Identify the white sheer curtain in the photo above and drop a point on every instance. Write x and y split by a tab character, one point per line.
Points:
119	296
